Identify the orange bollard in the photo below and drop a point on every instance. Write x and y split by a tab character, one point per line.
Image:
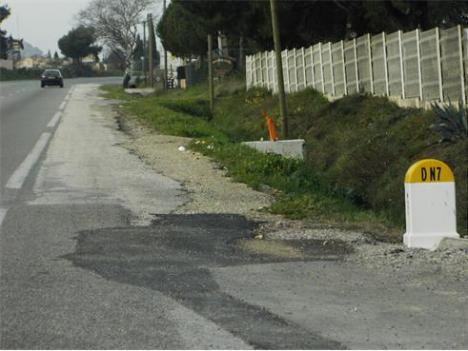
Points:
271	127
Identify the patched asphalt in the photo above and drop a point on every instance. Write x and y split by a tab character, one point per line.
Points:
174	256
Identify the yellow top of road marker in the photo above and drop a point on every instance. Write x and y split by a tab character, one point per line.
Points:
429	171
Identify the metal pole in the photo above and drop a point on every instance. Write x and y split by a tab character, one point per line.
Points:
150	49
165	56
279	68
210	72
145	71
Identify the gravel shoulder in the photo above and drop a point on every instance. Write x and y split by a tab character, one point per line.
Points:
211	191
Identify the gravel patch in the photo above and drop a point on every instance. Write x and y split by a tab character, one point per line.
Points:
211	191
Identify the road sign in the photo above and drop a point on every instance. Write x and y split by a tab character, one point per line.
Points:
430	204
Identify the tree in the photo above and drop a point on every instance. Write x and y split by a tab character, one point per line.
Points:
116	59
78	43
115	22
302	23
181	32
4	13
56	56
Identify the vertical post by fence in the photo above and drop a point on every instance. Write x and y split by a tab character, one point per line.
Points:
439	65
210	72
462	69
418	48
344	68
371	72
150	49
384	44
294	68
356	69
247	73
286	71
279	67
312	63
402	73
145	52
332	74
267	69
262	76
165	56
304	68
321	68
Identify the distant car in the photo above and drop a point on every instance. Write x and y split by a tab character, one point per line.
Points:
51	77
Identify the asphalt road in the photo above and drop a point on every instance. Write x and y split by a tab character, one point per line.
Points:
25	111
92	256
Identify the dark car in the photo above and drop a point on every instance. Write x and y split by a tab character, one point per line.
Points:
51	77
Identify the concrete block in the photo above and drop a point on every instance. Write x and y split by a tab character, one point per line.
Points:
142	91
453	243
287	148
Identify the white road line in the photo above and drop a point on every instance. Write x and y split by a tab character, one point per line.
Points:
19	176
53	122
3	212
62	106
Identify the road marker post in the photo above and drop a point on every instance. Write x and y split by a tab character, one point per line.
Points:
430	204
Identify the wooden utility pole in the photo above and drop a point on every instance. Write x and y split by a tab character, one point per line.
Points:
150	49
210	72
145	72
165	56
279	68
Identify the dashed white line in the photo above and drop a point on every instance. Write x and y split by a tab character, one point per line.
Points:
19	176
3	212
53	122
62	106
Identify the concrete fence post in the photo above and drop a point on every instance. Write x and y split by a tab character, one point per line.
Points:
294	69
384	43
321	68
343	62
332	74
418	48
304	67
402	73
462	68
286	68
356	65
439	65
371	73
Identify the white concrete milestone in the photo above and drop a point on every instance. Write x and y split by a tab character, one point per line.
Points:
430	204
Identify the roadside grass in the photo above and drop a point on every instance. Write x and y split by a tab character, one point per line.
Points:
358	150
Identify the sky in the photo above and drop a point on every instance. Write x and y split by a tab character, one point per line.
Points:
42	22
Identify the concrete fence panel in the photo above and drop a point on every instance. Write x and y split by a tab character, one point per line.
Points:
363	58
300	70
394	64
351	74
429	66
292	70
337	54
411	71
451	49
379	64
309	67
